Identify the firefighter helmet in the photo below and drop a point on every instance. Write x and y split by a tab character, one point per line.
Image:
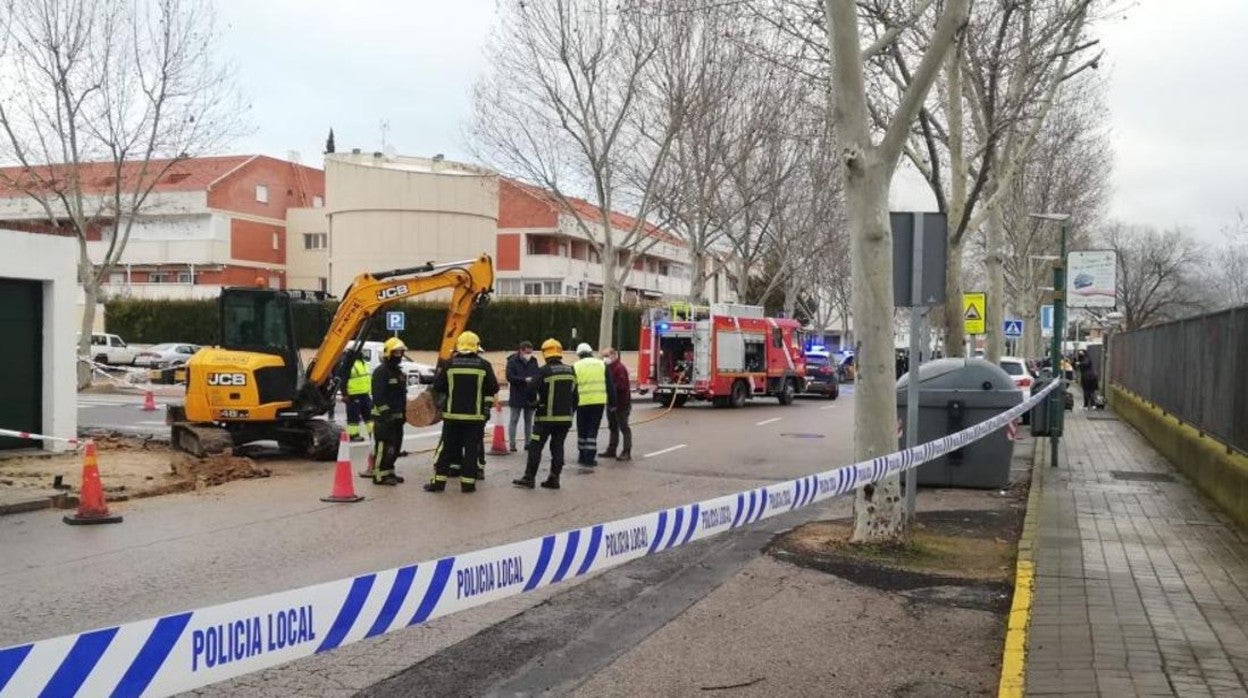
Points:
392	345
552	348
583	349
468	343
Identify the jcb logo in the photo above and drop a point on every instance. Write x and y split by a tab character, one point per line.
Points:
386	294
227	379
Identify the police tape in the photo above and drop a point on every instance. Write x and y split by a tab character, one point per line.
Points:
184	651
37	437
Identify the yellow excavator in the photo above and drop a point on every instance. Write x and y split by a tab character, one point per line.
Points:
254	387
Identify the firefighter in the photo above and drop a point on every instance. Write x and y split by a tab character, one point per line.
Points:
389	411
594	394
555	396
358	390
469	386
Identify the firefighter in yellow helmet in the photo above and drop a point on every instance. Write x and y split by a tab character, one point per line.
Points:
469	386
389	411
555	397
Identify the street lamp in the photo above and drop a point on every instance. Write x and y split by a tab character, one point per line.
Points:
1056	401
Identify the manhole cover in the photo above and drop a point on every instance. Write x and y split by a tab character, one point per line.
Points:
802	435
1141	476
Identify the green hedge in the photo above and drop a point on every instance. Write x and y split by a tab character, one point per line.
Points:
502	325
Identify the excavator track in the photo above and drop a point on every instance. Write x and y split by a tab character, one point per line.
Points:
200	440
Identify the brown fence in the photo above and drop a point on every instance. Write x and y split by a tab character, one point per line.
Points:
1195	369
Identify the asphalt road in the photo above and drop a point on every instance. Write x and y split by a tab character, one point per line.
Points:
254	537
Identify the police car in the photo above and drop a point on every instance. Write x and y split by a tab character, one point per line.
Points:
821	378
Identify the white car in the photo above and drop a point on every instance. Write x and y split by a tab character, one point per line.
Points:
1017	368
111	349
166	355
417	373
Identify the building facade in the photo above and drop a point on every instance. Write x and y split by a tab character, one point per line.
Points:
210	222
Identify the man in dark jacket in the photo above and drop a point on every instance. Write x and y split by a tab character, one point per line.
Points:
469	388
389	412
522	370
1088	379
556	398
617	414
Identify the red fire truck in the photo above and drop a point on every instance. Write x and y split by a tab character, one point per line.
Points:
727	354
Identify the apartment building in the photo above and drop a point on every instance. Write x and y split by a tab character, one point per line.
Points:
210	222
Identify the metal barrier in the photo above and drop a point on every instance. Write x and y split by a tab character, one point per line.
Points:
1195	369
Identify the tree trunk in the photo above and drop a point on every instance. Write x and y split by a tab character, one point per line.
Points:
955	334
995	316
697	276
606	322
90	291
878	511
790	296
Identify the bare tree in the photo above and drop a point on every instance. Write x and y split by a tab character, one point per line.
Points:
868	169
569	104
1230	265
1157	274
128	86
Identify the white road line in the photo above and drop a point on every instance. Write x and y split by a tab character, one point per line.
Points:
766	421
677	447
828	407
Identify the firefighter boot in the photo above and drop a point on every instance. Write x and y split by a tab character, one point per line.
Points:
526	482
467	484
551	483
437	484
624	455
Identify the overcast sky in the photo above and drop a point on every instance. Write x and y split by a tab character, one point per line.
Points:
1178	91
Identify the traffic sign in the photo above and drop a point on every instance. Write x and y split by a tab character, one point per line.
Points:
974	307
396	320
1046	321
1013	328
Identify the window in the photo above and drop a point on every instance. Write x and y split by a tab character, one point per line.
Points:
116	278
275	282
665	269
324	284
317	202
776	340
277	241
572	292
262	193
315	241
532	288
116	342
185	277
159	277
552	288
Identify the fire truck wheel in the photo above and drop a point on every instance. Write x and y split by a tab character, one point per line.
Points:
740	391
680	400
787	393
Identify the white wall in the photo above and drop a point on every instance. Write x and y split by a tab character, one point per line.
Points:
51	259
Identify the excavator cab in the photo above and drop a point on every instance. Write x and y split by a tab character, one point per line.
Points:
259	320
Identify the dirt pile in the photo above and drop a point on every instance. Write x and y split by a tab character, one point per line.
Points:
215	470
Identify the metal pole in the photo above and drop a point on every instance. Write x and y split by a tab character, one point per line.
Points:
912	386
1057	397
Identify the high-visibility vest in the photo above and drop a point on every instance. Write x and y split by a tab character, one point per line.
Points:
591	381
360	381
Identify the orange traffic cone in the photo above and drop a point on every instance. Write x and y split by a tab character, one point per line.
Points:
92	509
149	402
344	490
372	460
499	446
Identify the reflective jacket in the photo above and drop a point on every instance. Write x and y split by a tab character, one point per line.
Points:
359	381
555	393
469	386
591	381
389	391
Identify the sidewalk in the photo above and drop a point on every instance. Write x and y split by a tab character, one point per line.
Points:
1141	587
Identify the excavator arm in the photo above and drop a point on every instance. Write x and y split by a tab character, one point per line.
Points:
471	281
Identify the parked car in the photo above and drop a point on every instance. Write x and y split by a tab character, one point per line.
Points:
1017	368
166	355
821	374
416	372
111	349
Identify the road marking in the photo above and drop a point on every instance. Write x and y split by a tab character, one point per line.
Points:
677	447
828	407
766	421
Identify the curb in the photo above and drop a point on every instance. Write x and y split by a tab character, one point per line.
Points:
1014	656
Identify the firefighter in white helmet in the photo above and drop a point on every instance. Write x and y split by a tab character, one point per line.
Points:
594	394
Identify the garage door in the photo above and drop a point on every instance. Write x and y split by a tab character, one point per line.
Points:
21	365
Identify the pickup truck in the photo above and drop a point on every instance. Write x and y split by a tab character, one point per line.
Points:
111	349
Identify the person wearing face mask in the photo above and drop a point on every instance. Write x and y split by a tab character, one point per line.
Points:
389	412
469	386
522	372
618	412
594	396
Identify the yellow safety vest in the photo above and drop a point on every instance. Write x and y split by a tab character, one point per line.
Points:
361	380
591	381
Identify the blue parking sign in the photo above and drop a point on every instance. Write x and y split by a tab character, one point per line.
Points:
396	320
1013	328
1046	321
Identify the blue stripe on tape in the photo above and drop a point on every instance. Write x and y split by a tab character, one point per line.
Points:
157	648
812	488
350	610
543	559
799	495
78	664
394	600
762	504
693	524
677	527
433	593
749	513
595	540
658	537
10	661
574	538
736	519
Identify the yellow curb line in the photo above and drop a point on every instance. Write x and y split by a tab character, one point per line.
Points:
1014	656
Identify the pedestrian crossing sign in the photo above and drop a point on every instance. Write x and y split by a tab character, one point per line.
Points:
974	307
1013	328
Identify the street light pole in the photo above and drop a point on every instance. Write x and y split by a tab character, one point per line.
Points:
1056	399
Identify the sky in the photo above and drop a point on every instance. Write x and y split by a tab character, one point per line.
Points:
1178	92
